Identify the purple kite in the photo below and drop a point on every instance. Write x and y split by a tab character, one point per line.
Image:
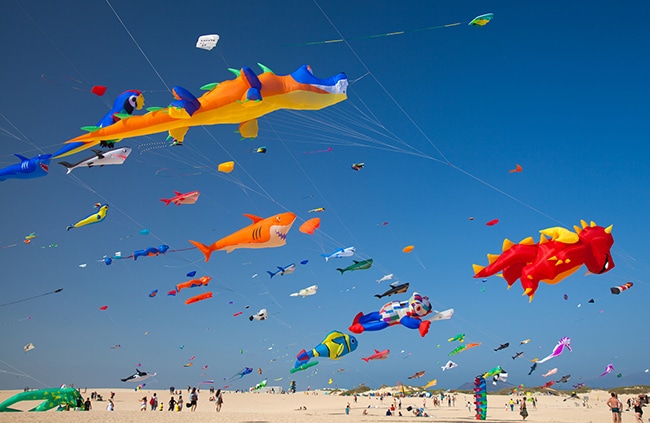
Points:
564	342
608	370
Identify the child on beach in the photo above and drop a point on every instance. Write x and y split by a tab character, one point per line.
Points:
143	404
218	400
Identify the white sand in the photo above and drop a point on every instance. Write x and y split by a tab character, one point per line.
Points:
258	407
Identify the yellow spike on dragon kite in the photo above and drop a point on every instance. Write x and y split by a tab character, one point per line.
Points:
238	101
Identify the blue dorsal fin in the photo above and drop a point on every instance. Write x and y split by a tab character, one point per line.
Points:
252	217
22	158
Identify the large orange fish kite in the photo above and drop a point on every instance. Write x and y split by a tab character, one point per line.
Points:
238	101
559	253
263	233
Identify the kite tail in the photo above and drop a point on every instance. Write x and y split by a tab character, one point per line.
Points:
166	201
68	166
67	228
340	270
366	359
203	248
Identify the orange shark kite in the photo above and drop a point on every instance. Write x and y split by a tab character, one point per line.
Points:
241	101
263	233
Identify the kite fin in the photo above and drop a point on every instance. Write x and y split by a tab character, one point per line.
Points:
209	87
249	129
184	105
477	268
90	128
507	244
252	217
178	135
492	258
206	250
302	356
68	167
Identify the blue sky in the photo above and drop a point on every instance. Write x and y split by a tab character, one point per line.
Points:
560	88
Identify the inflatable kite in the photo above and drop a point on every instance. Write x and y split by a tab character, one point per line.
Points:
550	372
150	252
243	372
263	233
407	313
116	156
502	346
92	218
202	281
449	365
138	376
480	397
286	270
357	265
310	226
123	107
335	345
395	288
408	249
559	348
187	198
226	167
460	338
240	101
417	375
558	254
618	289
378	355
462	348
310	290
198	298
27	168
607	371
55	397
341	252
563	379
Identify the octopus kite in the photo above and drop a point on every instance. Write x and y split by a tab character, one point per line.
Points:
559	253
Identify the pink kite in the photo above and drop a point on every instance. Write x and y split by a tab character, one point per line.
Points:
550	372
564	342
608	370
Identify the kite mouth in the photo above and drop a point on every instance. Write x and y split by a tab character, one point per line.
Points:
605	265
44	167
281	235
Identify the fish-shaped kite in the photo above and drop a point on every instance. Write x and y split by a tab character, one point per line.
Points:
27	168
116	156
357	265
396	288
378	355
417	375
502	346
180	198
262	233
92	218
138	376
286	270
310	290
341	252
335	345
449	365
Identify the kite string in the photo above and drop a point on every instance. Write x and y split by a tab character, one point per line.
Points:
136	44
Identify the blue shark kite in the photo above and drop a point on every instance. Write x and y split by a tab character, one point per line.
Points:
27	168
287	270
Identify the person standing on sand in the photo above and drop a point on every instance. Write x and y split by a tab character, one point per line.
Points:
615	405
194	398
110	406
523	412
172	404
218	400
638	409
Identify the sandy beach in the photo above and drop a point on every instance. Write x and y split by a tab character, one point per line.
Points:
320	407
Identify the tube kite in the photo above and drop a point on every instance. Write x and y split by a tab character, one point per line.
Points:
559	253
239	101
27	168
198	298
92	218
618	289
